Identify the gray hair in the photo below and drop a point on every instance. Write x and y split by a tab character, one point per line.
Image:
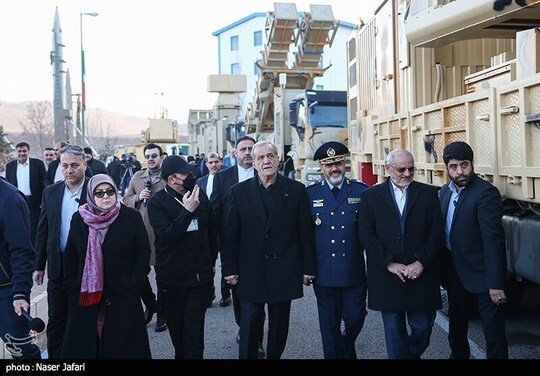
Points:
73	149
212	154
392	155
260	144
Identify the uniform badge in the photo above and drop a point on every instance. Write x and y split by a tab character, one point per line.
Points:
318	203
353	200
318	220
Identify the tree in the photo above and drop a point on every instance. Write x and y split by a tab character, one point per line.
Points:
5	149
38	126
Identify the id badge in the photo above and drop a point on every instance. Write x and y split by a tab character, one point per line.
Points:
193	226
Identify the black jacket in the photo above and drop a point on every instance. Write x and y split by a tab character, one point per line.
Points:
16	253
184	258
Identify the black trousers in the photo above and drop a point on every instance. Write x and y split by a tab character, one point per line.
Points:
149	298
460	302
185	309
253	321
58	311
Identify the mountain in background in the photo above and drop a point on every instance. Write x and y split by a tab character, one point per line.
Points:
118	125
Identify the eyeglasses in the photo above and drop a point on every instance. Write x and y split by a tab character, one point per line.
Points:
99	194
270	156
401	170
153	156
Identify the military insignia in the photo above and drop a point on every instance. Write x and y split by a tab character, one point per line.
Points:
318	203
353	200
330	152
318	220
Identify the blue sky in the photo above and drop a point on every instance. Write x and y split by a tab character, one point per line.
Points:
134	49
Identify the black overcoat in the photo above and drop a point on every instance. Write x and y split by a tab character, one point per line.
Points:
422	239
269	255
126	256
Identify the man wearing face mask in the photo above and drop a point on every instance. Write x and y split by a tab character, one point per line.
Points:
186	249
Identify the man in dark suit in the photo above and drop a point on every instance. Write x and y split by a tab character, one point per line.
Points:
475	261
27	174
401	228
206	183
220	199
54	172
97	166
341	283
60	201
268	251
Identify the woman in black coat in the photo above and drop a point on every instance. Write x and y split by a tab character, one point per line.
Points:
105	263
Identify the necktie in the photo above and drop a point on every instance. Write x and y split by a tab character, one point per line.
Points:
335	191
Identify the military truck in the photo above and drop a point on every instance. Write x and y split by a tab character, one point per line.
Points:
425	73
284	96
216	130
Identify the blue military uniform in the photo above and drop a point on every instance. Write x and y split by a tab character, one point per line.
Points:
340	257
341	283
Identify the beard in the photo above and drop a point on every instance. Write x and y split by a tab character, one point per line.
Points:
335	180
464	180
401	183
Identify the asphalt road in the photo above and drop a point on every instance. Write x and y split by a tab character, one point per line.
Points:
304	343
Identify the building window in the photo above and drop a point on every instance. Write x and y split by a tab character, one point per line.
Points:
234	43
257	38
256	69
235	68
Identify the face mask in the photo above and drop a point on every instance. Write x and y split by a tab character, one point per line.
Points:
189	182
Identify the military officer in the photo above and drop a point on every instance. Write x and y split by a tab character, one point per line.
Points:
341	284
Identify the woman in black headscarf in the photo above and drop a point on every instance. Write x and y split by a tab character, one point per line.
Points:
105	263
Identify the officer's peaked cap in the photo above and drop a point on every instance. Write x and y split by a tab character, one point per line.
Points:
331	152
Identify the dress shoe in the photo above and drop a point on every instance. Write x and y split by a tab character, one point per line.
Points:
261	353
148	314
224	302
350	352
161	323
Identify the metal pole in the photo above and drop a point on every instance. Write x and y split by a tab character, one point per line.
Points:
83	74
81	142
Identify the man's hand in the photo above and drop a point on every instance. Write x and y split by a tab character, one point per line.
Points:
38	276
231	279
414	270
308	279
145	194
19	305
397	269
497	296
191	199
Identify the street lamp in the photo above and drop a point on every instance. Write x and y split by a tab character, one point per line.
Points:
83	74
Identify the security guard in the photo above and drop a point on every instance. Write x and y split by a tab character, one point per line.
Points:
341	284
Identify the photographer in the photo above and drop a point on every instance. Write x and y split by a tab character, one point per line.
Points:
128	166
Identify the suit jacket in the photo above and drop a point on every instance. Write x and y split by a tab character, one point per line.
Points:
269	255
126	253
340	257
221	197
201	182
477	236
48	232
380	230
37	173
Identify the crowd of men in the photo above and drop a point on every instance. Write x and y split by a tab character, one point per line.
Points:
389	247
